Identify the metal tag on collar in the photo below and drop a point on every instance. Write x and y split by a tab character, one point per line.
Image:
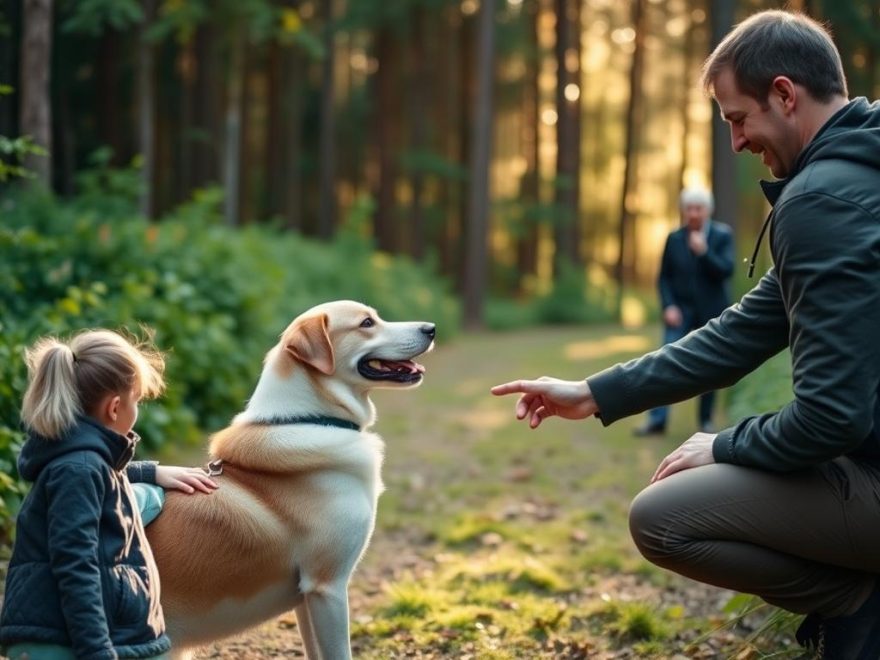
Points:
214	468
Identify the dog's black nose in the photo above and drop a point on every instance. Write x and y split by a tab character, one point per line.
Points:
429	329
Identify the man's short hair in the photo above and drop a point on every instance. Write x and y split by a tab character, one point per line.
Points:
778	43
698	196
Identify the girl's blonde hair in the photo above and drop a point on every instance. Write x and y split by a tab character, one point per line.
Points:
70	378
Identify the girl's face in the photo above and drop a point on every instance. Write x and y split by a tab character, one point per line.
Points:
123	411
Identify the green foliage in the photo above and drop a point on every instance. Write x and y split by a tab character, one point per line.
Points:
12	151
637	622
570	301
216	297
764	390
92	17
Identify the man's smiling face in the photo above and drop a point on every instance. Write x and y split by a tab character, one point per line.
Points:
765	129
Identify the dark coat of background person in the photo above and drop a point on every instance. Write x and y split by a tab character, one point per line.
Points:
697	285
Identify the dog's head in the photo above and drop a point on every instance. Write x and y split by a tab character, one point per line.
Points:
350	342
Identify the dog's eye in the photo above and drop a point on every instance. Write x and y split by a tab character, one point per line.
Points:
368	323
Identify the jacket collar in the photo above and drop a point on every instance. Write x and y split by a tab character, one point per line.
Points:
87	434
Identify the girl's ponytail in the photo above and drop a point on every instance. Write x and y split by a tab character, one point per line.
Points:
51	402
71	379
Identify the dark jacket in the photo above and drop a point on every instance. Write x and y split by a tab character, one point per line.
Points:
698	286
81	573
821	300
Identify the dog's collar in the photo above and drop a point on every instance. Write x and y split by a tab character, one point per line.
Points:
320	420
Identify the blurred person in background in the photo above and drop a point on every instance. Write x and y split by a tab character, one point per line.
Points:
694	284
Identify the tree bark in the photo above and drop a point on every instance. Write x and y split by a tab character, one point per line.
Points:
232	139
687	81
627	201
36	62
527	243
723	164
327	135
386	115
419	93
476	275
568	134
147	112
291	174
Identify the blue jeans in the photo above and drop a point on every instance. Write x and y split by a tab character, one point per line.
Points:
659	416
149	499
35	651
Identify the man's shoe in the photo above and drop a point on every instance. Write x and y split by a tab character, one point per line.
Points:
649	429
853	637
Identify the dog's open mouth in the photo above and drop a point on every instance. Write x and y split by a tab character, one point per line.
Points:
401	371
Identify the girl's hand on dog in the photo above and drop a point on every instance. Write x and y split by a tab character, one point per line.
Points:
184	479
546	397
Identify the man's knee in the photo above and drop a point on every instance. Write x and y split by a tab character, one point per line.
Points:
645	527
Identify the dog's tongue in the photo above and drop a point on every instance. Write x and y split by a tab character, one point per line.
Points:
404	365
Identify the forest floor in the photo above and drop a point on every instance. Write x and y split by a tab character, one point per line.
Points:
495	541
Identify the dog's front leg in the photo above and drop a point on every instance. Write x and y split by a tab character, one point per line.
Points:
307	631
328	613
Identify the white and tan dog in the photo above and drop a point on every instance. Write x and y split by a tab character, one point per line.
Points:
300	479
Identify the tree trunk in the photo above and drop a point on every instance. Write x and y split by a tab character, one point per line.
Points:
273	148
687	82
327	135
232	139
723	164
187	70
147	112
568	133
386	115
527	242
627	199
478	197
419	77
291	175
208	99
36	107
108	95
467	83
11	11
447	103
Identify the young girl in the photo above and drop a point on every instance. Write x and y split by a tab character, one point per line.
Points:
82	582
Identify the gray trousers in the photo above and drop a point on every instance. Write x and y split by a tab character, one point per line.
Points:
806	541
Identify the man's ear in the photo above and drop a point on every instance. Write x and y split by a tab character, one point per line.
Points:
309	342
786	92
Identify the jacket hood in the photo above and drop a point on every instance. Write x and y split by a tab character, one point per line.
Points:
852	134
86	435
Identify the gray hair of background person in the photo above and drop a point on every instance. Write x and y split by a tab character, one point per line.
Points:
778	43
698	196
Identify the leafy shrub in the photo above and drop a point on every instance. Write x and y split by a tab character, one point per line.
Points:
216	297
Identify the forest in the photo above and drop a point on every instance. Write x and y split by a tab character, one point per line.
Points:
202	171
506	142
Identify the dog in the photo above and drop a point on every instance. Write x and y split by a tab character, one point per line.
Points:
299	479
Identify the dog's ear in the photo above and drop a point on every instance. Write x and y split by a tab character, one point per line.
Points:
309	342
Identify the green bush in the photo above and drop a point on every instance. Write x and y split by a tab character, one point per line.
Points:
766	389
217	298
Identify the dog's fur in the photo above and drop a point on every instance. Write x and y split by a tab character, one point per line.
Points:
297	502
